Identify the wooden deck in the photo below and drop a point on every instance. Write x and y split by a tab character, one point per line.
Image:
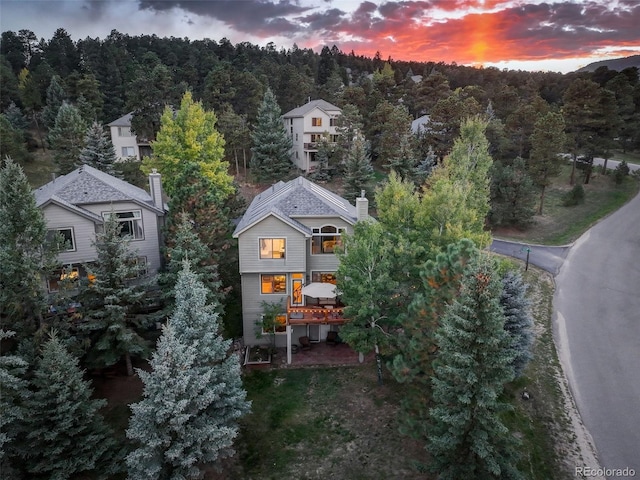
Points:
314	315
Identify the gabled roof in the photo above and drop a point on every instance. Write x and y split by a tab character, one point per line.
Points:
307	107
87	185
294	200
123	121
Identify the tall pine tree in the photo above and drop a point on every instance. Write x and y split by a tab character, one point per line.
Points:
66	138
193	396
358	170
518	319
108	300
98	151
271	150
26	255
56	96
468	439
65	433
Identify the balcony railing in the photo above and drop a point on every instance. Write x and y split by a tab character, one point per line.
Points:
311	314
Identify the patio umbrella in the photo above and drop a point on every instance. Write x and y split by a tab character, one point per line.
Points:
319	290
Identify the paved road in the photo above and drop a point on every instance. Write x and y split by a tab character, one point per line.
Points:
612	164
547	258
597	331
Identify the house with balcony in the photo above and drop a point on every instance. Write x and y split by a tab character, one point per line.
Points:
287	240
126	144
76	206
306	125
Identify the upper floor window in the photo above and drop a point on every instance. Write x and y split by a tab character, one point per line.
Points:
325	239
128	152
332	122
272	247
131	223
316	121
124	132
67	236
273	284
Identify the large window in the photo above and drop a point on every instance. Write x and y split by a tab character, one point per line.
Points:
325	239
131	223
279	325
67	236
67	277
125	132
323	277
272	247
273	284
128	152
316	121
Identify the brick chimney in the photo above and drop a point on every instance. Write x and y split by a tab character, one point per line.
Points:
362	207
155	189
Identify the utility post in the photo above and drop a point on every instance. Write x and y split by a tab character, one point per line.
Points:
528	250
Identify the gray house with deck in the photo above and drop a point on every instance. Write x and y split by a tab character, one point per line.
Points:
76	205
287	239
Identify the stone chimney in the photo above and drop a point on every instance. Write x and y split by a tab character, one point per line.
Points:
155	189
362	207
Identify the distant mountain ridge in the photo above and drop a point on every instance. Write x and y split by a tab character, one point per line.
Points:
617	64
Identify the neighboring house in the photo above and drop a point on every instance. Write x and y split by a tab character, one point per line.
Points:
77	204
286	241
420	124
306	125
125	143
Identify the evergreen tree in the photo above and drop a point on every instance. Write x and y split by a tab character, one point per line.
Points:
67	138
518	320
403	160
98	151
14	392
547	143
65	433
109	298
423	169
12	142
358	170
56	96
16	118
26	255
321	173
468	439
193	396
271	150
86	110
513	195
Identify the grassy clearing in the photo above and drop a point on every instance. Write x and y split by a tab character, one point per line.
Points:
560	225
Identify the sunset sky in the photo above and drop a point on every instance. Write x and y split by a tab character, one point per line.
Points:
520	34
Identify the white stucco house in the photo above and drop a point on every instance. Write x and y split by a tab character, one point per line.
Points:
306	125
125	143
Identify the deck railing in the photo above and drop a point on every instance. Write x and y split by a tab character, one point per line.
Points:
311	314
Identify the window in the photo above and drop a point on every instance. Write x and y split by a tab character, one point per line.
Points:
323	277
279	325
334	138
315	137
273	284
68	238
63	277
272	247
128	152
296	137
332	122
316	121
124	132
325	239
131	223
297	279
140	264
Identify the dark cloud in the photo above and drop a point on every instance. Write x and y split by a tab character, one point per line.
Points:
257	17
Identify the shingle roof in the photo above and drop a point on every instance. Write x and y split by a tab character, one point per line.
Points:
296	199
307	107
87	185
123	121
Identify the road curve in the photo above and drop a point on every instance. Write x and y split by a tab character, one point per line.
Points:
545	257
597	333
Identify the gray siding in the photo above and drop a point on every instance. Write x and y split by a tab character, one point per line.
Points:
84	233
323	262
252	308
149	246
271	227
